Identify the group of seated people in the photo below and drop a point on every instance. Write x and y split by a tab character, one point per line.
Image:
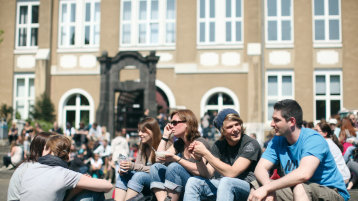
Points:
179	164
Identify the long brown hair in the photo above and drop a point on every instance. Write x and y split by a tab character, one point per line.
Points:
191	121
60	146
150	123
37	146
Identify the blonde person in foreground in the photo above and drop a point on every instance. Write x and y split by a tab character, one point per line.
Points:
310	170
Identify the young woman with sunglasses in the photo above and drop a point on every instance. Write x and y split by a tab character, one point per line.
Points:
49	178
168	182
134	178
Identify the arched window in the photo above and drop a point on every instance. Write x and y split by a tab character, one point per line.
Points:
218	99
77	106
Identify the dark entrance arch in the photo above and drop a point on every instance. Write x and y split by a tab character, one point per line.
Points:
129	91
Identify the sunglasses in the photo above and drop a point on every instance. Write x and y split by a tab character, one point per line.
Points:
174	123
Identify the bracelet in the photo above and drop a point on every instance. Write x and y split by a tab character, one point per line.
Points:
179	159
165	139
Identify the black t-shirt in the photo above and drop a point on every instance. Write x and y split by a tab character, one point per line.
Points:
179	147
247	148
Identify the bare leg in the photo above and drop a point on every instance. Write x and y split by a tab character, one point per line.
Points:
174	195
130	193
160	194
120	194
299	193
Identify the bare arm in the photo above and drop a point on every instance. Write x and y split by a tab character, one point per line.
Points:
97	185
303	173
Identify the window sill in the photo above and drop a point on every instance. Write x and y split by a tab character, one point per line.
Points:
77	50
219	46
145	48
327	45
279	45
26	51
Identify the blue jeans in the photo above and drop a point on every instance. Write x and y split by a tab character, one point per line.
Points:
199	188
173	177
89	196
348	153
137	181
226	188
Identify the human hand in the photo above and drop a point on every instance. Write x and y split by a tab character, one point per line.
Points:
168	157
260	194
198	149
167	131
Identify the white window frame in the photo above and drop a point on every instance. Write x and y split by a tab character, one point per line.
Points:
221	90
326	17
134	26
279	74
220	20
279	18
26	98
79	25
63	108
328	97
28	25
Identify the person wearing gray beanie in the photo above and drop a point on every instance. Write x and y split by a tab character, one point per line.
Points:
231	162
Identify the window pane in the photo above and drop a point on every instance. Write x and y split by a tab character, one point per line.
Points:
202	32
202	8
127	10
88	12
22	36
238	31
64	13
170	33
212	32
31	88
154	33
286	30
286	7
20	107
126	39
72	100
270	105
238	8
34	33
213	100
319	30
84	116
63	36
286	85
335	85
35	14
96	35
171	9
333	7
154	11
228	8
318	7
212	8
335	107
272	30
228	31
142	10
320	109
227	100
84	100
142	33
23	15
73	12
72	35
271	8
333	29
20	91
97	12
272	87
87	35
320	85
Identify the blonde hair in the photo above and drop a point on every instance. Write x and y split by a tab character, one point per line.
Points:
232	117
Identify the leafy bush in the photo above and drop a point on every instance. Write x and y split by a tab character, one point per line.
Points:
43	109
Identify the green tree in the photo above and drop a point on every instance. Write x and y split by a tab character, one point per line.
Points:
44	109
1	33
6	112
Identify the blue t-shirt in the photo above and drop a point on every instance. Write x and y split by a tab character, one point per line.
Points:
309	143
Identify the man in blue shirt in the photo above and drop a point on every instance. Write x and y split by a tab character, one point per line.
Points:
309	167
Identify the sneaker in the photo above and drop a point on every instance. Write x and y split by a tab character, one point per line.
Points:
10	167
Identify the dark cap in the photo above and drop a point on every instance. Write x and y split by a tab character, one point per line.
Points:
219	119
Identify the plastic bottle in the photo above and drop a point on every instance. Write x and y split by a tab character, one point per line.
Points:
121	158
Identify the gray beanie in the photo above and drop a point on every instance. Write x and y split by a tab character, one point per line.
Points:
219	119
